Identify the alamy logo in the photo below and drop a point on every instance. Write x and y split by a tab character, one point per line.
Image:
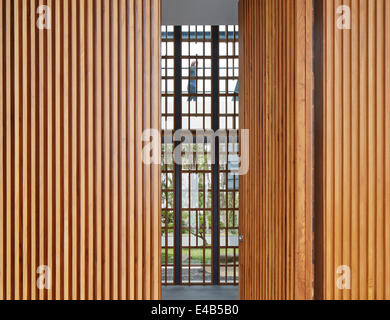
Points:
44	278
344	280
238	164
344	20
44	19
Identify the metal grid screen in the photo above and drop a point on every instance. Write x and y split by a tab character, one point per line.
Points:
197	192
228	148
167	166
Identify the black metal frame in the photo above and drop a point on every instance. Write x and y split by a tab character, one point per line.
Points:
177	126
215	166
215	124
318	100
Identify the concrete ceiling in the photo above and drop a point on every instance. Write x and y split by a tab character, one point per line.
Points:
199	12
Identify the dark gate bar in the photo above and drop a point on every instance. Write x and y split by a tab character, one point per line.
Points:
215	166
177	126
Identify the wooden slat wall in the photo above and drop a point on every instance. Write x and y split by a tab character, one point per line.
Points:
357	150
74	192
276	106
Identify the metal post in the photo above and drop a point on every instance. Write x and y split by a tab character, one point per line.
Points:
177	126
215	166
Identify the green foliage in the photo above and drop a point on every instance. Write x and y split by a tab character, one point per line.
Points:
227	199
198	256
203	228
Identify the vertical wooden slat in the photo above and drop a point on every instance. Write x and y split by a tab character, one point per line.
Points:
363	181
146	121
270	113
25	194
156	116
355	150
309	86
34	152
329	147
123	154
66	153
57	152
17	151
289	220
106	146
131	168
139	80
42	151
74	151
290	98
301	124
346	161
8	150
380	138
83	151
387	156
50	151
261	32
2	153
114	147
99	153
90	146
338	148
268	214
371	147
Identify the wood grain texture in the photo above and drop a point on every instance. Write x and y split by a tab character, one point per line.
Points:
75	194
276	195
356	149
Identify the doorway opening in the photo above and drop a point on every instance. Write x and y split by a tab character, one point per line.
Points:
200	193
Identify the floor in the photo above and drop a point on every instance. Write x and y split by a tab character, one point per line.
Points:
200	292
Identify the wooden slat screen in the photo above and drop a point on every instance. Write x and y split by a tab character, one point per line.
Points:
74	192
276	106
356	160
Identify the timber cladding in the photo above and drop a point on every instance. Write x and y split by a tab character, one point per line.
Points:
76	197
351	210
74	193
276	87
356	154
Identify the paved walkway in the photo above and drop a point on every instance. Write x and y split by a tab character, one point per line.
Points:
200	292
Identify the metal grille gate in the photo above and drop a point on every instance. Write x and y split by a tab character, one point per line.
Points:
199	199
